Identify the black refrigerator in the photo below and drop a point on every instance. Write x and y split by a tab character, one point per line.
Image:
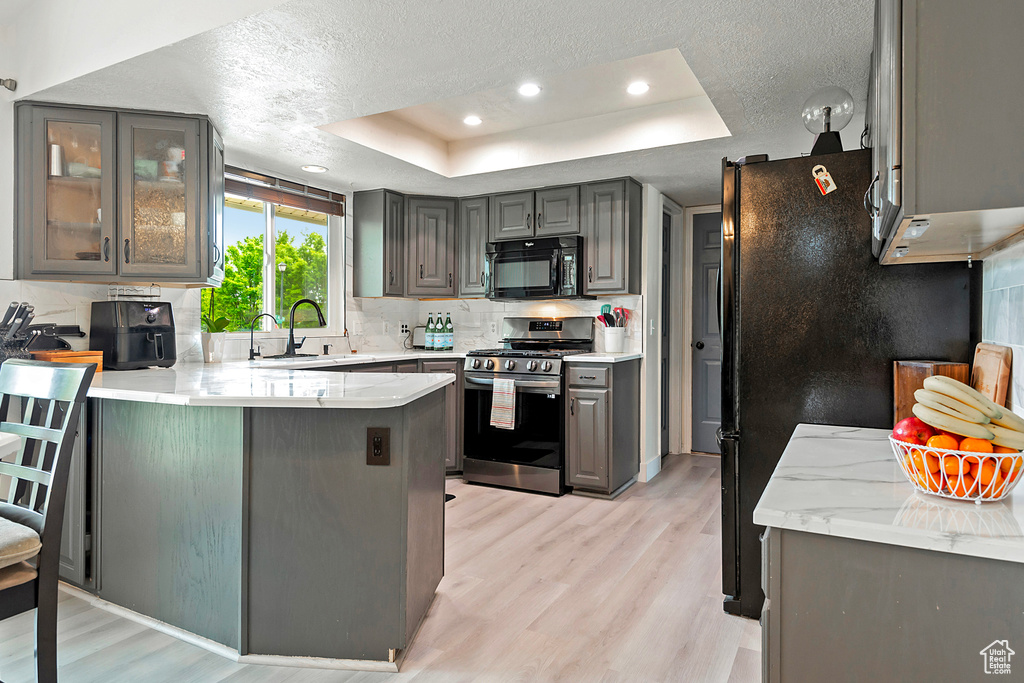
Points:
811	324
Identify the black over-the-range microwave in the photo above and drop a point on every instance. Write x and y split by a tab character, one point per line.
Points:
545	268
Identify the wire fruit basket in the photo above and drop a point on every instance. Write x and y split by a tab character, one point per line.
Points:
958	475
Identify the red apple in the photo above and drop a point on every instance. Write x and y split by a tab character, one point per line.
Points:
913	430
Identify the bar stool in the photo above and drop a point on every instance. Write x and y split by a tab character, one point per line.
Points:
32	516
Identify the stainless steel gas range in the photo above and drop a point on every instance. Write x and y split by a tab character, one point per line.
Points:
531	455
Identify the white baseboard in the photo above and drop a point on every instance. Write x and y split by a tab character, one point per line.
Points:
224	650
650	469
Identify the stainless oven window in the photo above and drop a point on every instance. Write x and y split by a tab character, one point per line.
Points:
539	427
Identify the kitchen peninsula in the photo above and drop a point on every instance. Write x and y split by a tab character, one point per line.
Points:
867	579
254	507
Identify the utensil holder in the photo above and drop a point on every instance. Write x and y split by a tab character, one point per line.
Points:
614	339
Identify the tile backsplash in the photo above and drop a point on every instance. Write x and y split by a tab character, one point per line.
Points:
70	303
1003	313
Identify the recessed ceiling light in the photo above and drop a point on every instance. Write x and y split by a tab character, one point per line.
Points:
529	89
472	120
313	168
637	88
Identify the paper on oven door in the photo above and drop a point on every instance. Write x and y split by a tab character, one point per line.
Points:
503	404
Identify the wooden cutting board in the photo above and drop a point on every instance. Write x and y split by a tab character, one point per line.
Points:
909	376
71	357
991	373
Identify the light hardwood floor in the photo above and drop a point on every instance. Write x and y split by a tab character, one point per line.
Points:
536	589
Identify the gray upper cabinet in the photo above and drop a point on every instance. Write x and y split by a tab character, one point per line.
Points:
431	247
611	230
558	211
378	243
472	247
942	149
511	216
118	196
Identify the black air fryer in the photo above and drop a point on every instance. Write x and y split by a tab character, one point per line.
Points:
133	334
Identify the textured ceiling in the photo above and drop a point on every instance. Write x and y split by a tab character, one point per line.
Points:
270	79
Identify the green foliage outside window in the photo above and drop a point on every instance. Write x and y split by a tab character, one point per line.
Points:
240	296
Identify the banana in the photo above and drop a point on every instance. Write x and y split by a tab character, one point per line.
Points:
1011	420
1007	437
951	424
963	393
947	404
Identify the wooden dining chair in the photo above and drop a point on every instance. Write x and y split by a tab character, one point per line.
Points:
51	396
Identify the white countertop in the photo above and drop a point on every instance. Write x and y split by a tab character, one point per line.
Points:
354	359
603	357
844	481
239	384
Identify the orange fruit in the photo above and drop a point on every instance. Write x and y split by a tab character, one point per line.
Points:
1011	468
931	481
995	486
988	471
944	441
976	445
1004	449
962	486
924	462
951	465
971	464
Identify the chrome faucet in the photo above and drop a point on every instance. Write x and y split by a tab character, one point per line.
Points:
253	349
292	346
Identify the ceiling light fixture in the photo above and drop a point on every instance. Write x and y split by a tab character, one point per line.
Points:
472	120
637	88
313	168
529	89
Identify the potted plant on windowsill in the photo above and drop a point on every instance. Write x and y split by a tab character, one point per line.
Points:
213	335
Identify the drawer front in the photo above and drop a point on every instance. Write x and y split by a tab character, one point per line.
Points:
587	376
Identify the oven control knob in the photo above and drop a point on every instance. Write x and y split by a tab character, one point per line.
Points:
489	364
510	365
546	367
531	366
476	363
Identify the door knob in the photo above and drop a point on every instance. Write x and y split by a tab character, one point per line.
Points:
699	345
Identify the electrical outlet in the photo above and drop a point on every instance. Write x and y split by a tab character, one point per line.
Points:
403	328
387	328
493	327
378	446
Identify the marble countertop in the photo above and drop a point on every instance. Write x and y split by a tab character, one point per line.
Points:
603	357
239	384
354	359
844	481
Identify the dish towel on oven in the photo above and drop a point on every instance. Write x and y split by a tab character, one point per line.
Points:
503	404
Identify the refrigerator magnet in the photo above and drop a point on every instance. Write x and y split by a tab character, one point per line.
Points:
823	179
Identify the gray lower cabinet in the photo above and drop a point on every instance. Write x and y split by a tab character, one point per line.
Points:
378	244
407	367
165	173
77	540
431	247
602	426
611	227
453	409
473	247
558	211
511	216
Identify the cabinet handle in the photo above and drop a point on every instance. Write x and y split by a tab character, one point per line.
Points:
126	250
216	255
590	273
540	223
449	279
106	249
421	271
391	277
572	405
481	277
528	217
869	206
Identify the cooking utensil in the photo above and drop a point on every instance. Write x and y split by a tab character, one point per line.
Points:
991	372
600	319
609	319
9	315
625	315
607	308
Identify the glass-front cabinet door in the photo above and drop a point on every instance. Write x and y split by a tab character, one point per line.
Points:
70	155
159	185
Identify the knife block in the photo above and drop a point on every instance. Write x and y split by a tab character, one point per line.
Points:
909	376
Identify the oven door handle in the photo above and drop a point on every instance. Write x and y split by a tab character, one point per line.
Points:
549	386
